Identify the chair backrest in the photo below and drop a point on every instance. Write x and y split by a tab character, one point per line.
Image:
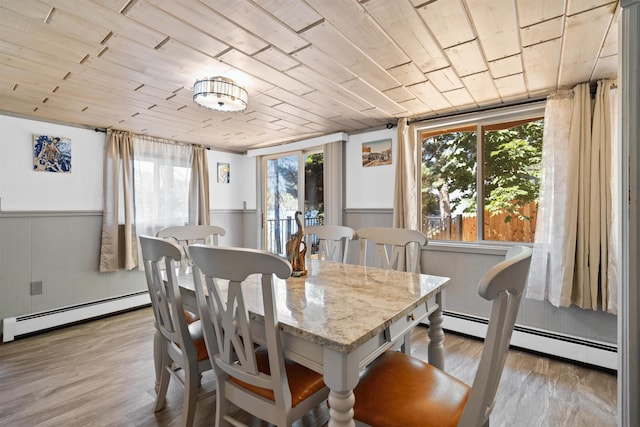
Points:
190	234
332	240
186	235
504	285
161	258
233	350
396	248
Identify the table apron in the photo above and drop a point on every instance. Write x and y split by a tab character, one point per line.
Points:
312	354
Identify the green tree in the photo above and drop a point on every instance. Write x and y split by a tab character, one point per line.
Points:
512	168
313	184
449	165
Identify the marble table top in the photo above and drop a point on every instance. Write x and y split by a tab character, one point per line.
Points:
341	306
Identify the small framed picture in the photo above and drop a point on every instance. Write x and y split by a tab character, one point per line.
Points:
376	153
51	154
223	173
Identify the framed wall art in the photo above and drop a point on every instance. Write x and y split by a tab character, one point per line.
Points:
51	154
223	173
376	153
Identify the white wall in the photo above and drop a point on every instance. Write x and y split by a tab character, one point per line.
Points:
370	187
242	181
22	189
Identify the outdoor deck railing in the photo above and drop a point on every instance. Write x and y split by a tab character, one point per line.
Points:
279	231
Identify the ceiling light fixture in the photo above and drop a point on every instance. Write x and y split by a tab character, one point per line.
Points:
220	93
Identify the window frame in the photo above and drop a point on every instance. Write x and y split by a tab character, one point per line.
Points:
479	119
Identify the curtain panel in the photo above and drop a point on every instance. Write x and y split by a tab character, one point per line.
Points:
199	188
574	245
406	195
149	184
546	272
333	182
118	248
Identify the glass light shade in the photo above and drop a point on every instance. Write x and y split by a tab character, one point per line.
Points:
220	94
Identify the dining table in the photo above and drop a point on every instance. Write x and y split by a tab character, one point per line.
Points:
338	318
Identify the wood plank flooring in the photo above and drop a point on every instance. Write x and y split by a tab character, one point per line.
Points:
101	373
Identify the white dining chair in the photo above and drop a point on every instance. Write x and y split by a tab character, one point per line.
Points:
182	344
186	235
400	390
395	249
332	241
258	379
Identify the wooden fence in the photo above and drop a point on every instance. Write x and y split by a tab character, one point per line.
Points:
495	227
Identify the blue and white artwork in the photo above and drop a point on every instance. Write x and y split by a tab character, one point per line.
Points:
51	154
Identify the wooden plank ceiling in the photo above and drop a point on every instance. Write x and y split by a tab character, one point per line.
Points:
311	67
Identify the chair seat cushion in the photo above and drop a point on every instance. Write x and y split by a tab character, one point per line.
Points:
195	330
428	396
303	382
191	317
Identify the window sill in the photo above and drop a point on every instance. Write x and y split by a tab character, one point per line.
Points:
493	248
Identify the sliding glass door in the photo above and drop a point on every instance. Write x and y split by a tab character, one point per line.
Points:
293	182
282	179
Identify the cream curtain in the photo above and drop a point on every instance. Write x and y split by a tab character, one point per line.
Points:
333	182
552	235
406	198
149	184
118	247
199	187
571	252
580	135
614	234
603	248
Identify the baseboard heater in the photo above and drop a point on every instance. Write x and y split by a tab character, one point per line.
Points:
13	327
589	352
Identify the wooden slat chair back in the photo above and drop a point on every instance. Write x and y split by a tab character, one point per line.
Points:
333	241
437	398
396	248
186	235
182	343
258	379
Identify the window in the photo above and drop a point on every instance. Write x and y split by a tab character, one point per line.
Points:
162	173
487	163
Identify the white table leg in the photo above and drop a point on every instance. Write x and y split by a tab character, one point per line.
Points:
435	352
341	409
341	374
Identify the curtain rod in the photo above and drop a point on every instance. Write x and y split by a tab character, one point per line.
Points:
592	88
168	141
514	104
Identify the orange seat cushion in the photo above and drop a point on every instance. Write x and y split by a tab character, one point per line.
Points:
303	382
400	390
195	330
191	317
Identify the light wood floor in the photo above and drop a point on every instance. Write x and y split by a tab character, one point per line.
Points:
101	374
